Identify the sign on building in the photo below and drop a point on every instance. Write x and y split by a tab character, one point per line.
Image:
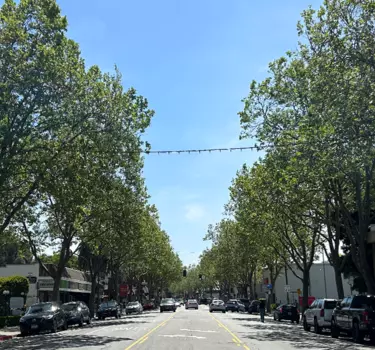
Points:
287	288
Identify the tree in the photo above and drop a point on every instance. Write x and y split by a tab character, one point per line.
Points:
39	73
318	105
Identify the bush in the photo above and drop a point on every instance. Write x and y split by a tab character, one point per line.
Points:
15	284
10	321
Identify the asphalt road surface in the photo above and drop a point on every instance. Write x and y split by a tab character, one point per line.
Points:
184	329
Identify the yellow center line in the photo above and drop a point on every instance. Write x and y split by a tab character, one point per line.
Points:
235	338
144	337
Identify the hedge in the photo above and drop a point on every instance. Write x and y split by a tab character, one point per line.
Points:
15	284
10	321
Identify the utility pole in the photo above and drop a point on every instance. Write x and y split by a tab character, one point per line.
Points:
324	273
286	282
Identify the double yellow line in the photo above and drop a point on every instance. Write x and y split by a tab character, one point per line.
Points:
145	337
235	339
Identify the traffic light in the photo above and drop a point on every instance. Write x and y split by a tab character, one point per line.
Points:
184	272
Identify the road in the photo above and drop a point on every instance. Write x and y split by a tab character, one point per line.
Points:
184	329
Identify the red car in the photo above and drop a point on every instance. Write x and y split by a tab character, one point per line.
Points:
149	305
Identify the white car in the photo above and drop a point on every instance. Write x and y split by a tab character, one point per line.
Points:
191	304
217	305
319	315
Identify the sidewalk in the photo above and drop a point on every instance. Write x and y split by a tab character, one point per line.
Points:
9	333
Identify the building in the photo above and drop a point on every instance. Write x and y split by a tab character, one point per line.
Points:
322	284
74	285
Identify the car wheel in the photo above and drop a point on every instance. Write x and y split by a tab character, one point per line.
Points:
161	310
306	327
65	325
334	330
317	329
174	310
279	318
223	311
89	320
54	326
210	310
116	316
357	335
24	334
80	321
274	317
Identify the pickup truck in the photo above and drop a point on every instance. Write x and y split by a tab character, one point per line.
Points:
355	316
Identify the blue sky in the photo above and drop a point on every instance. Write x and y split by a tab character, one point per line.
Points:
194	61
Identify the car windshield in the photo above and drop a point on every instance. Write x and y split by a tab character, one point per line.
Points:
40	308
69	307
107	305
218	302
192	301
167	301
133	303
330	304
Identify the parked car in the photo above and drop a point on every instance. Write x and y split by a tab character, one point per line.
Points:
149	305
287	312
109	309
319	315
254	306
217	305
246	302
234	305
355	316
133	307
167	304
43	317
76	312
192	304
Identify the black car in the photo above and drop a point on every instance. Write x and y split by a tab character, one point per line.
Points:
246	302
108	309
254	306
76	312
168	304
234	305
43	317
287	312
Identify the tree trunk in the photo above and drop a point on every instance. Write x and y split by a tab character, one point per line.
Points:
339	284
305	295
92	296
251	285
56	286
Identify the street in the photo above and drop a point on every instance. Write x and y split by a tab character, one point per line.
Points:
184	329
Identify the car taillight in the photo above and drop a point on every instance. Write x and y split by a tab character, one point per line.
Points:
321	312
365	317
281	310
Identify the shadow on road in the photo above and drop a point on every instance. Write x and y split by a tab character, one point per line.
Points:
54	341
297	337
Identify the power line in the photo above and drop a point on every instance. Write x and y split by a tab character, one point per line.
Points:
204	150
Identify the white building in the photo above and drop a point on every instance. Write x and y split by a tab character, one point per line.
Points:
322	284
74	285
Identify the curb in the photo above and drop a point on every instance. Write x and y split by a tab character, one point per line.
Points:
6	337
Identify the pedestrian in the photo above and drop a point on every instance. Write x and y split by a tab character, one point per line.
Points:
262	310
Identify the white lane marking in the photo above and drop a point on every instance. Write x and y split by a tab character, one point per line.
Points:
197	330
181	336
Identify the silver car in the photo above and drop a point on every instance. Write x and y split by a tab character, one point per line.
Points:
217	305
134	307
191	304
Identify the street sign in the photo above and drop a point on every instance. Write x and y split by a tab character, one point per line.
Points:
287	288
269	286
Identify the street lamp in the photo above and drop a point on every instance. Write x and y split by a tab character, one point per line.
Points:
6	293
